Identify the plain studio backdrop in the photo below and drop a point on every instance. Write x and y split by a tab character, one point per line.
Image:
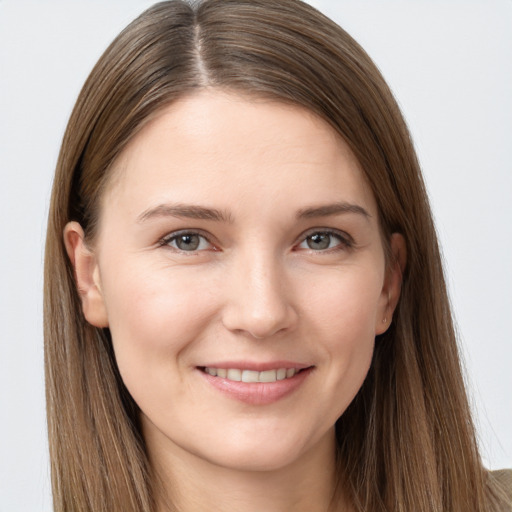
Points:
449	64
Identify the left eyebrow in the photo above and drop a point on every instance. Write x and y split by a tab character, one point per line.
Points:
332	209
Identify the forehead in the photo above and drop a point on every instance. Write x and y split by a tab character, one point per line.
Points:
215	146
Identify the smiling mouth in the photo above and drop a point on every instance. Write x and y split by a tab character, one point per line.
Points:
239	375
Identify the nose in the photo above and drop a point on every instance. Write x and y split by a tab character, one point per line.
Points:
258	298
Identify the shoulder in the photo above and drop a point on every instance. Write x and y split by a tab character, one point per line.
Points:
501	481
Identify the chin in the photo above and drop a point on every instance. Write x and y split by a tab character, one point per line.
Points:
272	453
256	459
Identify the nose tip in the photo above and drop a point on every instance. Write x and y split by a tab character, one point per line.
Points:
263	324
259	306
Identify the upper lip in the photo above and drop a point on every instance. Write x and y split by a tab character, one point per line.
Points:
255	365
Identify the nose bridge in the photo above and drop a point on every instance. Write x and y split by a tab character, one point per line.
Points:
258	298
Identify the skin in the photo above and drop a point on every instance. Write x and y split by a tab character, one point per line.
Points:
258	288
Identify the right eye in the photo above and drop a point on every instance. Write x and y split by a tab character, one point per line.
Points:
187	241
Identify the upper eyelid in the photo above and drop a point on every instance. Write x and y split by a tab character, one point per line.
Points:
174	234
210	239
330	231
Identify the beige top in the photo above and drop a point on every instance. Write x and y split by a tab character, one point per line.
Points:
503	478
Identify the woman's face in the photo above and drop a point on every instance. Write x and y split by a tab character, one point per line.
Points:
238	241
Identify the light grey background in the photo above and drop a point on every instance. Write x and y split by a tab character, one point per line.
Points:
450	66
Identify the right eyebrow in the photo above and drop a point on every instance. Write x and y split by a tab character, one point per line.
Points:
180	210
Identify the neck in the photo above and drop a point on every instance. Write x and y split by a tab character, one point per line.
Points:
191	483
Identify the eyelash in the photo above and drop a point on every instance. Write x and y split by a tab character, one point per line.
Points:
345	240
168	239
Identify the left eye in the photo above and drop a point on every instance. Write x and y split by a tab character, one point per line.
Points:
320	241
187	242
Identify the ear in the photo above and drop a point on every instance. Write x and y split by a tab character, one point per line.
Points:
392	283
87	275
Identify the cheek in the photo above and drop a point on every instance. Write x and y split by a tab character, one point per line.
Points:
346	302
343	313
358	304
154	316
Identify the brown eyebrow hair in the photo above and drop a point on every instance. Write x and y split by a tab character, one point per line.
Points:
332	209
205	213
185	210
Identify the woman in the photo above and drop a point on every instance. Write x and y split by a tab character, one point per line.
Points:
245	306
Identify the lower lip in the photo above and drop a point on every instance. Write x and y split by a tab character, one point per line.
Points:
257	393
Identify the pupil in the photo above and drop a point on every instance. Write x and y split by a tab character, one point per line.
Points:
319	241
188	242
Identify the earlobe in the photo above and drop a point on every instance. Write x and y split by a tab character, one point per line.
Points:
87	275
393	282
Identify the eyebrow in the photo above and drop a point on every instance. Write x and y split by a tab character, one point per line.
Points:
332	209
185	211
203	213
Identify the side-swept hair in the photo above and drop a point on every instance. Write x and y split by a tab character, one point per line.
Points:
406	443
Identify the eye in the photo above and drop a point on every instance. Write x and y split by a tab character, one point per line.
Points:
186	241
324	240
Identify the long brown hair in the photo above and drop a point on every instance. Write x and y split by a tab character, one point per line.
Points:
407	441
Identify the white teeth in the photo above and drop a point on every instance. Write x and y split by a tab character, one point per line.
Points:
234	375
281	374
268	376
251	375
